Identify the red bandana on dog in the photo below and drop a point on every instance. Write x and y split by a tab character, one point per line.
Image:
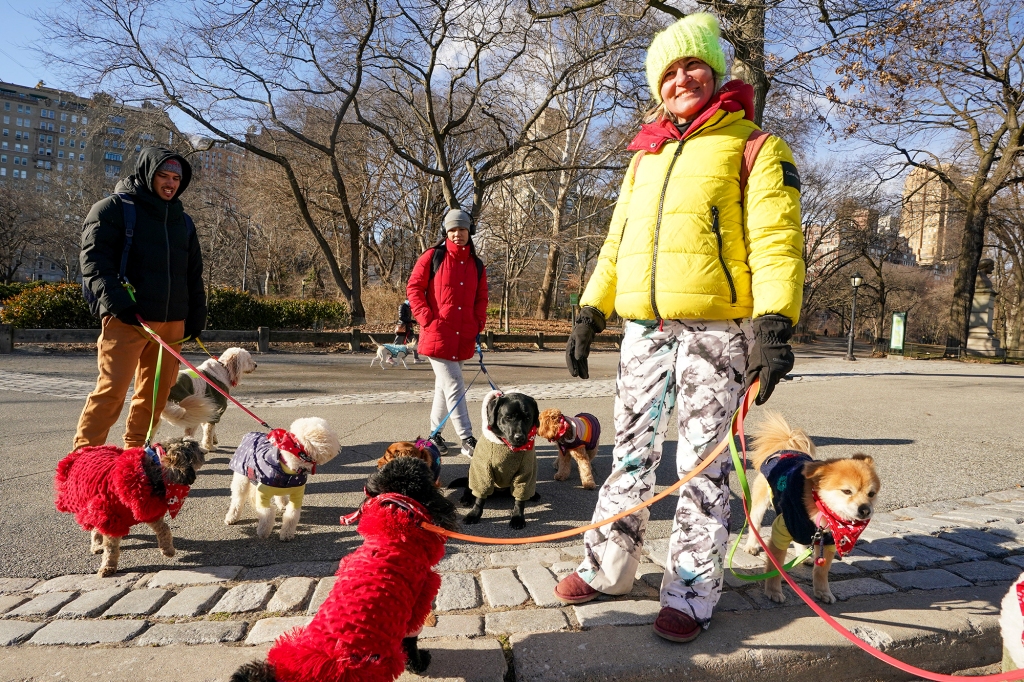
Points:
284	440
528	445
844	533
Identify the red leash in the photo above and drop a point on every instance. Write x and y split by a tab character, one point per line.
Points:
198	373
885	658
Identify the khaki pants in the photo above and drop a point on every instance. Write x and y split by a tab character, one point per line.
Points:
124	351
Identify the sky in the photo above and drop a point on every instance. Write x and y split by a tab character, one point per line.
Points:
19	63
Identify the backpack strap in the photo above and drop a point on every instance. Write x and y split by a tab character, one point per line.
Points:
750	151
128	208
438	258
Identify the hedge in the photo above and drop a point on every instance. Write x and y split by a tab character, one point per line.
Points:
14	288
236	309
61	306
49	306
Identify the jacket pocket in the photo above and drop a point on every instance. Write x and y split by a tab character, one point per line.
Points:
717	229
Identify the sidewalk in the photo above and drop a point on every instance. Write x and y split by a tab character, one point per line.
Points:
924	584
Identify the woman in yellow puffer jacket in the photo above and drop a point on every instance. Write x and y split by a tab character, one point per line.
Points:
708	275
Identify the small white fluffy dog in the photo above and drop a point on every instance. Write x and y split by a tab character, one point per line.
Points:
271	469
387	353
192	402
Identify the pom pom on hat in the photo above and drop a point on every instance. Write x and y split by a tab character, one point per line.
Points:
693	36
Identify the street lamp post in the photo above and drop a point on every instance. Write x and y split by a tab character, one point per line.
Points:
855	282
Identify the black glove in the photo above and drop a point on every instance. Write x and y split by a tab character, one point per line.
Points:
193	334
128	316
590	322
771	358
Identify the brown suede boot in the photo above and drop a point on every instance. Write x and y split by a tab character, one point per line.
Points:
676	626
573	590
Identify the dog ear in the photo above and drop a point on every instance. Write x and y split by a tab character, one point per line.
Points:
864	458
492	414
373	487
813	470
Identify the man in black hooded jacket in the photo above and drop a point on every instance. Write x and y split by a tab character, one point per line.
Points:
163	283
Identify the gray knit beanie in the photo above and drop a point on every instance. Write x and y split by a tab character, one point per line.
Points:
457	218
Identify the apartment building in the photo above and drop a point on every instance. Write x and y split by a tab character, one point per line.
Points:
932	220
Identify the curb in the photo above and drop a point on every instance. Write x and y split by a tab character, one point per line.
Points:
944	631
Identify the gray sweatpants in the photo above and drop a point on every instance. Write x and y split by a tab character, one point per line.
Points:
449	387
700	364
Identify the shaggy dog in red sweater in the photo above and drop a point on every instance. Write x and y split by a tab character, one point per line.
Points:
109	490
367	629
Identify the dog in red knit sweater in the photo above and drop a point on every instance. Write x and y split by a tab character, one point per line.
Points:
366	630
109	490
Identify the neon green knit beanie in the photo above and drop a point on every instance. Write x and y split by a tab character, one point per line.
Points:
693	36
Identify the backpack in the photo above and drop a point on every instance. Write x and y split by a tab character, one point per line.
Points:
128	207
750	151
438	258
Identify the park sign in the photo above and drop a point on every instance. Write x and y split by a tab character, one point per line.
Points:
899	332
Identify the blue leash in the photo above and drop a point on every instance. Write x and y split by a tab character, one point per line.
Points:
483	369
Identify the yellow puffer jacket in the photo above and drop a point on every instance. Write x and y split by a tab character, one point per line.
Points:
680	228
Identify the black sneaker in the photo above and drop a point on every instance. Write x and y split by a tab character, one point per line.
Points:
442	447
468	446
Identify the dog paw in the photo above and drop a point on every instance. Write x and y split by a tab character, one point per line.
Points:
167	551
752	550
517	523
561	477
420	663
106	571
825	596
472	517
231	518
589	485
776	596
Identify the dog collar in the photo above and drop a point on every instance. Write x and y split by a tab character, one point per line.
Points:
283	440
415	509
154	452
844	533
528	445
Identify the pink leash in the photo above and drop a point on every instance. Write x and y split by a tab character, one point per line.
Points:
885	658
198	373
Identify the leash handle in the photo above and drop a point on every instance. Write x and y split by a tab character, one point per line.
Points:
193	368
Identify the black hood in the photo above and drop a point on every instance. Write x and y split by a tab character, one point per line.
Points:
150	159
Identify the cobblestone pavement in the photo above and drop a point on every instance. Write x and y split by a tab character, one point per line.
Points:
972	542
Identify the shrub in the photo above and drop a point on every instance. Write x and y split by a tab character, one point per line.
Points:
236	309
14	288
49	306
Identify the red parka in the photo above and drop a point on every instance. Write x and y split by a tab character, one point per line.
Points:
452	307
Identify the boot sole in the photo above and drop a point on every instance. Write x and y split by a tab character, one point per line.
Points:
681	639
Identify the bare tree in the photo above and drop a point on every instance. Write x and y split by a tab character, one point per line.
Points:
20	219
226	66
1007	226
942	74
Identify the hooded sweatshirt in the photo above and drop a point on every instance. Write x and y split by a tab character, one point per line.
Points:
165	263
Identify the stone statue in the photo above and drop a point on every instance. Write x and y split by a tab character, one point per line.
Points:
980	337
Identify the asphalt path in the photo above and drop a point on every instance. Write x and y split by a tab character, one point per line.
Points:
938	430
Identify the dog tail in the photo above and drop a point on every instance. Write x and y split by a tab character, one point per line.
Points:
257	671
774	434
192	411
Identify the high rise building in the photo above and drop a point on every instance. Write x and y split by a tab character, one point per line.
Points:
932	221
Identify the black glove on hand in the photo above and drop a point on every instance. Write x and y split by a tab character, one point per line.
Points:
771	358
590	322
193	334
128	316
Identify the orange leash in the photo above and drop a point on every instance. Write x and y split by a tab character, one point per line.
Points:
719	449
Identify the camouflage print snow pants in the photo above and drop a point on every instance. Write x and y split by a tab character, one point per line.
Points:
701	365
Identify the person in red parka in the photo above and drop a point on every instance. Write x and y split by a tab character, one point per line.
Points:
448	294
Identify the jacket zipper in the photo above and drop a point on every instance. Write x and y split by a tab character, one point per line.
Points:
657	227
721	257
167	243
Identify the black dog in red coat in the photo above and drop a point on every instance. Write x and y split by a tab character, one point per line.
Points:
366	630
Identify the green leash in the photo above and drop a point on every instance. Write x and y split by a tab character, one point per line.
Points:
156	389
741	474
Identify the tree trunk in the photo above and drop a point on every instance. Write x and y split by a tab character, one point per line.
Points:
971	246
746	33
547	287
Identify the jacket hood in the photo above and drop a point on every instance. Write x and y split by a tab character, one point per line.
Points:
732	97
149	160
